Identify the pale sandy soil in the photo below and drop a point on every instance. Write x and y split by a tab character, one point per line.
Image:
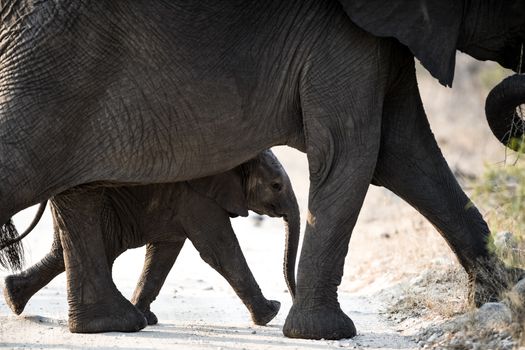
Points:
198	310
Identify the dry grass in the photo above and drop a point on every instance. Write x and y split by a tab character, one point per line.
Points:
438	300
502	189
437	294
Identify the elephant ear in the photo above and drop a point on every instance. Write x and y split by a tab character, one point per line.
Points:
429	28
226	189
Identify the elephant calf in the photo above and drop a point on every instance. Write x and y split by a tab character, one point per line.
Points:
163	216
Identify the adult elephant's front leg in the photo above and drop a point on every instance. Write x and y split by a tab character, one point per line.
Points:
95	304
342	122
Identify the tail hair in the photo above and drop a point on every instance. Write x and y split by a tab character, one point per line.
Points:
12	256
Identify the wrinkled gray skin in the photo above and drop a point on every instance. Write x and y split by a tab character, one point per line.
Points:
163	216
164	91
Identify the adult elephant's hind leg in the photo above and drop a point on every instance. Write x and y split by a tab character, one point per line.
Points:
95	304
342	118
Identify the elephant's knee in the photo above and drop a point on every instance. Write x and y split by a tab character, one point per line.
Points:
211	258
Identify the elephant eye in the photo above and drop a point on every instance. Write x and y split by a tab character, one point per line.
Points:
277	186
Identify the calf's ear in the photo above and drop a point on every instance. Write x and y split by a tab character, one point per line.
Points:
226	189
429	28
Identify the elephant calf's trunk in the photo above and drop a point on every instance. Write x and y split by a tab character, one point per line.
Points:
501	111
293	231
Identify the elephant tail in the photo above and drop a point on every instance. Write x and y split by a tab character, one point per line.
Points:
11	249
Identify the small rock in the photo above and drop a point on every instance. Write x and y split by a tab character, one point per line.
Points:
506	245
416	281
345	343
258	220
432	338
385	235
494	315
505	239
442	261
519	289
254	332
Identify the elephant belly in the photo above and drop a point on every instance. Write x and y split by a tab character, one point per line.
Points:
204	106
137	215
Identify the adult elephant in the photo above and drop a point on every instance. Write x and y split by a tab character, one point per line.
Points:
163	216
155	91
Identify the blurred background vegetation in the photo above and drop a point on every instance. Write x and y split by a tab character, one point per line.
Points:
500	191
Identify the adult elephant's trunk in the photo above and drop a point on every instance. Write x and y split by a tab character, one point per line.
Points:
292	221
501	111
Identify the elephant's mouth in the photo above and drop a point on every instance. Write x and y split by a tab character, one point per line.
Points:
268	210
274	212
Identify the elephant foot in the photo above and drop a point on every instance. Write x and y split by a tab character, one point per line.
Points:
262	315
117	315
318	323
490	282
150	317
17	292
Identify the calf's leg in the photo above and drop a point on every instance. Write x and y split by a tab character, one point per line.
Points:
19	288
214	238
160	257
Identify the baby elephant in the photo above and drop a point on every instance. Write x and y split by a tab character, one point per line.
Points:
163	216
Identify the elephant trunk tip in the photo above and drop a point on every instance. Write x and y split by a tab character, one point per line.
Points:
503	109
292	222
11	254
